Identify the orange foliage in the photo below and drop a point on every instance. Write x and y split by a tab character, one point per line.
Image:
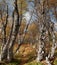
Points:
27	36
22	27
53	2
8	30
33	29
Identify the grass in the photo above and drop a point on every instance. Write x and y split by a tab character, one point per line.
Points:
14	62
55	62
34	63
0	47
18	63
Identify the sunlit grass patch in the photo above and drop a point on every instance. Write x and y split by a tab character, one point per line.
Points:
34	63
55	62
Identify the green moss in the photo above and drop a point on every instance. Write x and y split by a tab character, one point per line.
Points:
34	63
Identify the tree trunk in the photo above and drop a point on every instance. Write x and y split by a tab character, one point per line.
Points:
4	54
10	55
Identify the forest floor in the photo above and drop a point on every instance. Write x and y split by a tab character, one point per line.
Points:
26	56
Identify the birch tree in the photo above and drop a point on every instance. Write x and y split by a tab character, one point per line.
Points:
8	42
45	26
7	45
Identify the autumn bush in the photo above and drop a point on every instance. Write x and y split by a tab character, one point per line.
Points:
25	52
